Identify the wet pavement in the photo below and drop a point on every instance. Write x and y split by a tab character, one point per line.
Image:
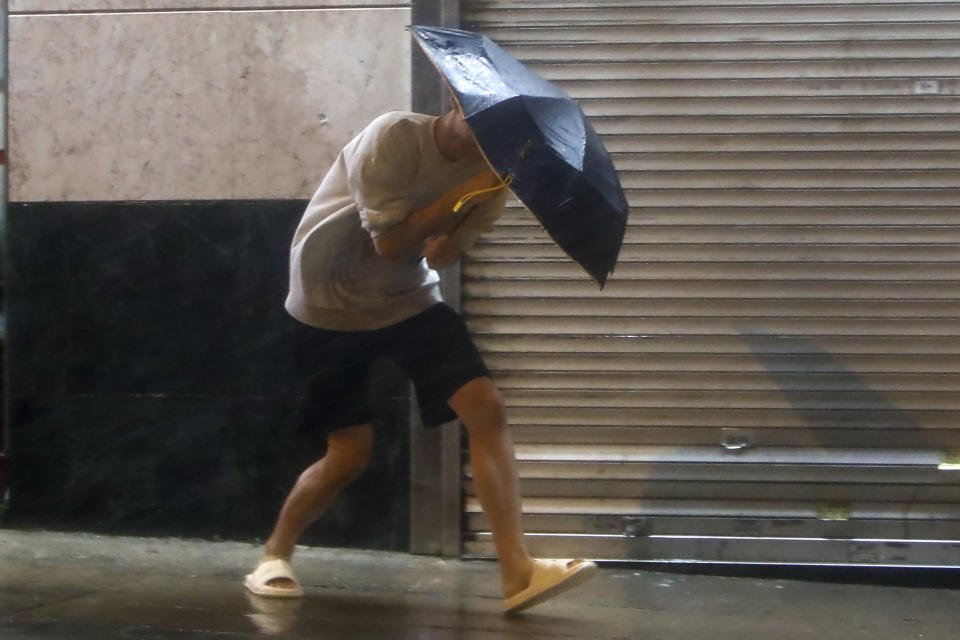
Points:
80	586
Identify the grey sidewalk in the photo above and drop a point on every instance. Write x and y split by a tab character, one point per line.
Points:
78	586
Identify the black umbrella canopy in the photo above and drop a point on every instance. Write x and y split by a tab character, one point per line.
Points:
530	130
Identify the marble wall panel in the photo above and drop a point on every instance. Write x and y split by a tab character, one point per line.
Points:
195	106
37	6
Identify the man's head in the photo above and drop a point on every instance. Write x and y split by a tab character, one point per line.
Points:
453	134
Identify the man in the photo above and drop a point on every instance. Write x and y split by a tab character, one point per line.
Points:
361	274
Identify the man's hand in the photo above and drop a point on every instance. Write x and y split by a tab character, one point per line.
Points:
441	252
445	220
484	180
434	220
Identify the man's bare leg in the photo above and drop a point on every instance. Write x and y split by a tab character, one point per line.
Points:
348	452
479	405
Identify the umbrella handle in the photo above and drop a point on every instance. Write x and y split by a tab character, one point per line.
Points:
462	201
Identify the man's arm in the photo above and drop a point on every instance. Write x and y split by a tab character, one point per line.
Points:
436	219
442	252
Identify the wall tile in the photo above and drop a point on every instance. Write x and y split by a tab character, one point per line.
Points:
153	377
190	466
151	298
214	105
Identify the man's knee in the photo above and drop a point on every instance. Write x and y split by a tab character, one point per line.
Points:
348	453
480	406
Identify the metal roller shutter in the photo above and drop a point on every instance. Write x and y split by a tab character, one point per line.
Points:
772	372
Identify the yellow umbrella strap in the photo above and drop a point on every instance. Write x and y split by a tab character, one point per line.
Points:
503	185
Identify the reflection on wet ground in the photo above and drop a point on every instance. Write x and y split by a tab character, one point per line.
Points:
79	586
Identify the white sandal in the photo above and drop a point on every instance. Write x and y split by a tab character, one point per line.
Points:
550	578
256	582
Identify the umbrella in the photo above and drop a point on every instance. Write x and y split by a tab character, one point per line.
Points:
538	137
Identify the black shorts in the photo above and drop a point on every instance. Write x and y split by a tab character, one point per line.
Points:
434	348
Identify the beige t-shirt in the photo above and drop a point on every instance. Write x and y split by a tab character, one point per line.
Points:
392	168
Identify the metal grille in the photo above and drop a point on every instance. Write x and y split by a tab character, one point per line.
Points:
772	372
